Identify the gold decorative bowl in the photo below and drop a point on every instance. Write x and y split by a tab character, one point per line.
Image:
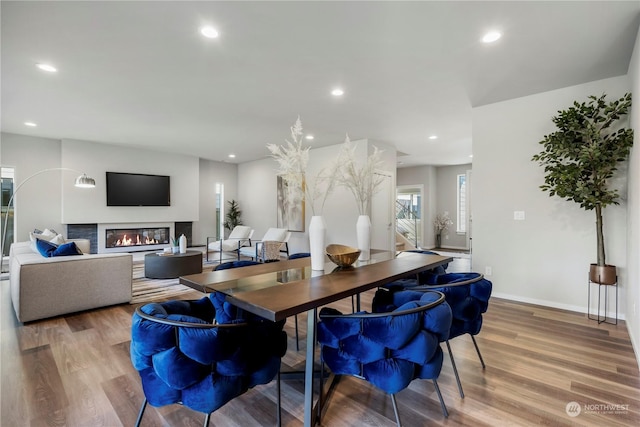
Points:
341	255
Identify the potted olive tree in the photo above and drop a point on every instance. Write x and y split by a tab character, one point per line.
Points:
581	157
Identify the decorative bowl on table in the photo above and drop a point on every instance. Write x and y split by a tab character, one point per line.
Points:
341	255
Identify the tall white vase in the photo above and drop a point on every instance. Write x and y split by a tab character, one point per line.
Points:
363	232
317	233
182	241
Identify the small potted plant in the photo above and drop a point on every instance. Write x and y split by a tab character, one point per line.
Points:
441	224
581	157
232	218
175	245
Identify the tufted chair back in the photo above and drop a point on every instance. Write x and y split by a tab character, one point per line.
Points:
182	357
226	312
300	255
426	276
389	349
234	264
466	293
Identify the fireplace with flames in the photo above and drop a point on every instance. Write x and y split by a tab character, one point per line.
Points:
136	237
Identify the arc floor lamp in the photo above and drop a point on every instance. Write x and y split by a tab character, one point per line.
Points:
82	181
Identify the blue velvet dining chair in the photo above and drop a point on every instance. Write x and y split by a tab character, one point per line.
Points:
391	349
300	255
466	293
426	276
183	357
228	311
235	264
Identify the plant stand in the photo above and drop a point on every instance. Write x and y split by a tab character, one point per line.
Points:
606	293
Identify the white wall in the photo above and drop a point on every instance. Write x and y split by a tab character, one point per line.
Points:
632	302
211	173
257	195
38	202
544	259
426	176
96	159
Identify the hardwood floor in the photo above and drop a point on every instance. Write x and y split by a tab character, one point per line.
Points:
75	371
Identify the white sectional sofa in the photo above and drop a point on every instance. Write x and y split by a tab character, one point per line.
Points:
46	287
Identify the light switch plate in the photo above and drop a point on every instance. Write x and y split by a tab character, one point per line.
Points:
518	215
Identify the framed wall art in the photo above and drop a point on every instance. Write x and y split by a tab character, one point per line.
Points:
290	204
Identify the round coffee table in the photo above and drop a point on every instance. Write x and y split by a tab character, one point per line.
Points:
170	266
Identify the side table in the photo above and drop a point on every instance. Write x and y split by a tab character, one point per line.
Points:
606	293
171	266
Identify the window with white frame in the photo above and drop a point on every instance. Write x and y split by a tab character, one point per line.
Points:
7	216
220	210
461	185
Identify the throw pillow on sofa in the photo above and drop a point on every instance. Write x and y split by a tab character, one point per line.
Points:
47	231
48	235
48	249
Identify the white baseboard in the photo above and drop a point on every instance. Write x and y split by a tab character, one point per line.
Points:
552	304
459	248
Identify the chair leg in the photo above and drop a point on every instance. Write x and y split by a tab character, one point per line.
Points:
442	405
478	351
395	409
455	370
355	303
297	343
320	400
206	420
279	414
141	413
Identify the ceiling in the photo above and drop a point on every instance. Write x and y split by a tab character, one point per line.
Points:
140	73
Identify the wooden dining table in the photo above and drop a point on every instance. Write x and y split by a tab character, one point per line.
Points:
278	290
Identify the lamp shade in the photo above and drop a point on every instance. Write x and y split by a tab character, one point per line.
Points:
84	181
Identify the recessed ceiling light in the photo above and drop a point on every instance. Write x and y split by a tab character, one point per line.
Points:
433	137
491	36
47	67
232	156
470	155
337	92
209	32
30	124
309	137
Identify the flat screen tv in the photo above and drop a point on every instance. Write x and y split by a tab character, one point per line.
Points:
135	189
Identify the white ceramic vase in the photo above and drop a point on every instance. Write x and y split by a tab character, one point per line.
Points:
363	233
317	233
183	244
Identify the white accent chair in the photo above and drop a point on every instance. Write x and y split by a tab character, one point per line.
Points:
273	243
240	236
